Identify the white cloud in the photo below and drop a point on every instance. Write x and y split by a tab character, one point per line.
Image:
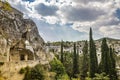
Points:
111	30
83	14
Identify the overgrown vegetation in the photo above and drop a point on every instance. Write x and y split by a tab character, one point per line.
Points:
78	68
108	63
75	62
72	66
22	71
85	62
35	73
101	76
5	5
59	69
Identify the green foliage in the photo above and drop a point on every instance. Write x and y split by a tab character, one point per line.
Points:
58	68
62	52
36	73
75	62
64	77
112	72
68	63
6	6
107	64
85	61
22	71
104	64
93	66
101	76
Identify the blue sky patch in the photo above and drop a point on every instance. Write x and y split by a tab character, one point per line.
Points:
118	13
29	0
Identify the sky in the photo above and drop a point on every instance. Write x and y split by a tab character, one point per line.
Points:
70	20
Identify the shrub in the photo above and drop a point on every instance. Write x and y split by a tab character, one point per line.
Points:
58	68
101	76
22	71
36	73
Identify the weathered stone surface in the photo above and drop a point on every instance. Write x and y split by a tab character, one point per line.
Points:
20	44
17	33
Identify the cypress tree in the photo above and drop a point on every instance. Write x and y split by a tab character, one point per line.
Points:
105	63
61	51
85	61
93	66
112	73
75	62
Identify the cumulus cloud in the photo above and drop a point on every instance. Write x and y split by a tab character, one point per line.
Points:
111	30
102	15
81	13
88	1
46	10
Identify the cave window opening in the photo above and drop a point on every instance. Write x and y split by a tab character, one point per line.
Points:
22	57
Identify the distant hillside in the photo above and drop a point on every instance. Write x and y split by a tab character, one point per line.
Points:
110	39
70	42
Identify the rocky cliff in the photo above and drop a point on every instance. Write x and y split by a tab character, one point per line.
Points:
19	37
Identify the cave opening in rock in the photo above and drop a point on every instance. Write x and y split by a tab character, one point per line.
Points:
22	57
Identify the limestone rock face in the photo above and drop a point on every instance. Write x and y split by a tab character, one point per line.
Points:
17	33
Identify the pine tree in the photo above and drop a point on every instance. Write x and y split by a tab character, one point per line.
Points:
85	61
75	62
62	52
93	66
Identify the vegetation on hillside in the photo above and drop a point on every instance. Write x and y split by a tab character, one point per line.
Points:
5	5
85	66
72	66
35	73
59	69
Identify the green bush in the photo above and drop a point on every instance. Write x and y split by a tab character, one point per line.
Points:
22	71
101	76
58	68
36	73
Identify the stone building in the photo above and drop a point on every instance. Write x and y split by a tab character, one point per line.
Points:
19	52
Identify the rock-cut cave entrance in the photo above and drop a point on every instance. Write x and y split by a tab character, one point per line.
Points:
22	57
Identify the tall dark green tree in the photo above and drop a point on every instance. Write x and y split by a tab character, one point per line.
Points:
105	58
108	64
85	62
62	52
93	65
112	73
75	63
